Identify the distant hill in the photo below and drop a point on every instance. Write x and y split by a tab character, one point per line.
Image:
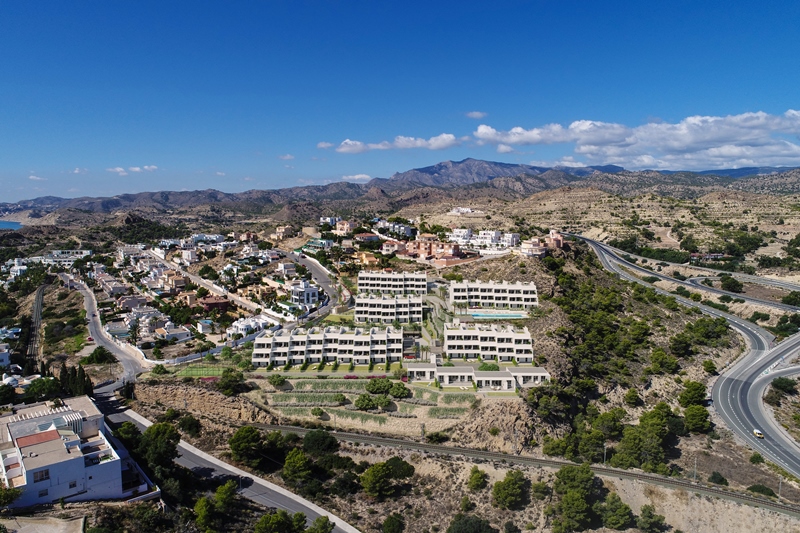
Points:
457	180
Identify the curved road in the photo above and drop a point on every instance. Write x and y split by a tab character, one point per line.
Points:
737	394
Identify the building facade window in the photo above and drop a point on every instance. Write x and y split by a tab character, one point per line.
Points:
73	484
41	475
43	493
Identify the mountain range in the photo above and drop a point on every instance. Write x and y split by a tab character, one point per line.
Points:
449	179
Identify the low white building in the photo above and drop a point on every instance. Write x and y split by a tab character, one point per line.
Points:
287	270
329	220
465	376
246	326
189	256
493	294
359	345
488	342
55	453
385	309
170	332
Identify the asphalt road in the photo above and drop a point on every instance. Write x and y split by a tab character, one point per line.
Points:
697	282
131	365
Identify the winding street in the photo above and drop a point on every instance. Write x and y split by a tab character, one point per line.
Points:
737	393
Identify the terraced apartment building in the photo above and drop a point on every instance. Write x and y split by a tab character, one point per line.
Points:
361	346
386	309
488	342
493	294
392	282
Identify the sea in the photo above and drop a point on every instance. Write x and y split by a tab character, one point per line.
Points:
9	225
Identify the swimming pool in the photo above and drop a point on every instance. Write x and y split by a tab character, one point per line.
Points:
498	316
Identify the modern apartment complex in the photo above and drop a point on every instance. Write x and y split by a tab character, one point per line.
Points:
387	309
359	345
62	452
494	294
393	282
489	342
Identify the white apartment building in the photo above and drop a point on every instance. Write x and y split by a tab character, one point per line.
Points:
493	294
329	220
63	452
484	238
385	309
333	343
393	282
466	376
5	355
488	342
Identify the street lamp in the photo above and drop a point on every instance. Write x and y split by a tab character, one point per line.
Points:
604	453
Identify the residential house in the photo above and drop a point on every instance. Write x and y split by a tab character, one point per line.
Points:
170	332
507	379
392	247
303	293
344	227
130	302
212	301
287	270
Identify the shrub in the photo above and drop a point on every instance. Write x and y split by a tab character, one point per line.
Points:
494	431
761	489
632	397
785	385
756	459
510	492
394	523
477	479
709	366
190	425
717	478
159	370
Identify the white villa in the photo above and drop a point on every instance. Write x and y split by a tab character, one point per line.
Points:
359	345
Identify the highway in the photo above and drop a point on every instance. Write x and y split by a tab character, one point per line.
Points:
698	283
737	393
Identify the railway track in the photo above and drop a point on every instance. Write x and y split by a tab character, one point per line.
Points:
452	451
36	323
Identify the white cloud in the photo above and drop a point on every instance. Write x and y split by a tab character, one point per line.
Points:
504	149
219	173
286	157
477	114
118	170
248	178
288	166
357	177
135	169
439	142
79	170
324	145
150	168
36	178
696	142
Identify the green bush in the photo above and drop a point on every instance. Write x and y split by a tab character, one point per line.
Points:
756	458
761	489
477	479
717	478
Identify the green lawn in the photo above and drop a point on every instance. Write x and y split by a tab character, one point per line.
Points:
203	370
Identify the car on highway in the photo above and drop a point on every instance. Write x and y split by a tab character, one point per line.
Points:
758	433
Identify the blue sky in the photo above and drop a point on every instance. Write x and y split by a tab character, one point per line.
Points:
103	98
